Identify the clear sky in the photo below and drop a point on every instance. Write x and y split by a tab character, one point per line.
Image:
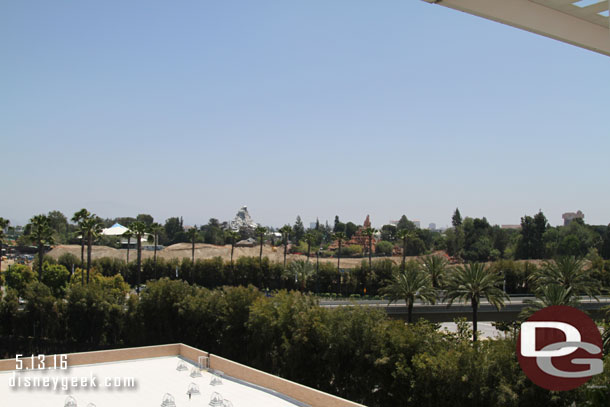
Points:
311	108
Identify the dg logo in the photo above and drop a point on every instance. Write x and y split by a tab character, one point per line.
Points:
560	348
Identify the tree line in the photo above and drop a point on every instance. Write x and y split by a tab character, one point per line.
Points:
353	352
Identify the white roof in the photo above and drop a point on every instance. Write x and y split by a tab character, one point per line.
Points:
153	377
115	230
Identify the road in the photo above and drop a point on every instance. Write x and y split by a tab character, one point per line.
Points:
440	312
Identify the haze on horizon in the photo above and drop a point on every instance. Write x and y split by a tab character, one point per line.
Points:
308	108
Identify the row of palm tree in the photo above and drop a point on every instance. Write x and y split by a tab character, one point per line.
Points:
558	282
469	283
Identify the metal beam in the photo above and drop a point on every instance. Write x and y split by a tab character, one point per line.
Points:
539	19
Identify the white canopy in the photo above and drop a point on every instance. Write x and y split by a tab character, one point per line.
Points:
115	230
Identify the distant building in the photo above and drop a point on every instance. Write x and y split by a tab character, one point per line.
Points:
359	238
432	226
515	227
570	216
243	220
417	223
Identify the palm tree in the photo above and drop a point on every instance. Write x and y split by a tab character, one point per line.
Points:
404	235
309	238
193	235
339	237
155	229
568	272
41	234
552	294
470	283
261	231
3	225
302	271
233	236
409	284
286	230
139	229
78	218
92	228
436	267
370	232
128	234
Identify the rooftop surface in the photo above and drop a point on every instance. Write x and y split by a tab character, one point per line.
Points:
154	378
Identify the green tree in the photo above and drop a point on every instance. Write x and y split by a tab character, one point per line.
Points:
568	272
302	271
409	284
436	267
546	296
18	277
384	248
339	237
173	229
261	232
59	223
286	230
155	229
3	225
350	229
404	235
233	237
128	234
309	239
40	234
298	230
471	282
456	219
92	228
193	236
56	277
145	218
139	229
78	218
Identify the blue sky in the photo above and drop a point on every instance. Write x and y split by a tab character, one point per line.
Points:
310	108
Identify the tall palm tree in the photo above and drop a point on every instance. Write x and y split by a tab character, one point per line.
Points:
568	272
404	235
233	237
339	237
309	239
286	230
139	229
78	218
369	233
261	232
193	235
40	233
91	227
436	267
470	283
155	230
409	284
128	234
3	225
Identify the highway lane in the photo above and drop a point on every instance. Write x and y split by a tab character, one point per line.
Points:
441	312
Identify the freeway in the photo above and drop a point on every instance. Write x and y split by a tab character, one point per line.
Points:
440	312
